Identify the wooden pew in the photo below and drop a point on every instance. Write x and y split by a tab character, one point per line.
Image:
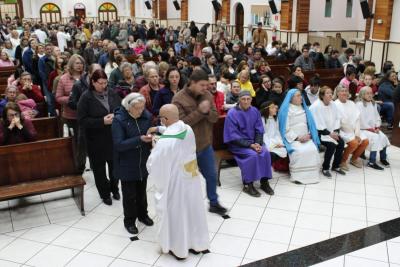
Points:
38	168
220	149
328	77
7	71
47	128
396	129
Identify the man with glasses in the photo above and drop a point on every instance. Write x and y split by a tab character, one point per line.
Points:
304	60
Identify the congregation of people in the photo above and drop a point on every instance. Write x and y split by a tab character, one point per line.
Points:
141	102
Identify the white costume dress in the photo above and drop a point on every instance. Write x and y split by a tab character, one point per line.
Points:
326	117
273	138
172	166
304	160
349	121
370	119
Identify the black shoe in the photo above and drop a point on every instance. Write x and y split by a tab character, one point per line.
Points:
218	209
249	189
107	201
267	188
132	229
147	221
116	196
385	163
327	173
176	257
322	148
363	156
339	170
194	251
375	166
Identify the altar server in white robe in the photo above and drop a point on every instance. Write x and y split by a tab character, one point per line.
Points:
370	123
327	120
300	137
272	136
172	166
350	129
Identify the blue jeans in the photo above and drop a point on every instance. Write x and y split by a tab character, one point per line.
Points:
206	162
387	111
51	109
382	155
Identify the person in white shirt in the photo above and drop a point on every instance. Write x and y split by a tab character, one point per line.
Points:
370	123
350	129
62	38
41	35
312	90
273	48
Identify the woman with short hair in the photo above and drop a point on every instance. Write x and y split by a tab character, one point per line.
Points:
132	147
327	120
350	129
95	115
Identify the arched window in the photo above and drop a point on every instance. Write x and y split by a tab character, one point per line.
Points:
107	12
50	13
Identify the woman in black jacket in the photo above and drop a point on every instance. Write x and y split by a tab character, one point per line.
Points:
95	115
131	151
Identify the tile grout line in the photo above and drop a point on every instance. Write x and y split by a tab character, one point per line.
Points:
333	208
297	216
394	185
219	228
258	224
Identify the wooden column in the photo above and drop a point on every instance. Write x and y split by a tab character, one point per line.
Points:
154	5
368	24
184	10
162	6
383	11
20	9
302	15
132	8
226	11
286	15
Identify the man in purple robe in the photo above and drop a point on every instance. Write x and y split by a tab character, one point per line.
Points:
243	133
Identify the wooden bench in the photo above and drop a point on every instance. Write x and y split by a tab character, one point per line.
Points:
396	129
47	128
38	168
220	149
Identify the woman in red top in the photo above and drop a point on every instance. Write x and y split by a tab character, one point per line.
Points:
29	89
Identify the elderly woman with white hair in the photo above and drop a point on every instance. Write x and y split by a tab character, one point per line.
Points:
370	123
131	151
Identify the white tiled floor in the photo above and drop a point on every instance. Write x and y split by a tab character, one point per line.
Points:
48	230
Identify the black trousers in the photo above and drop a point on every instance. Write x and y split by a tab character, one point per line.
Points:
105	186
333	150
79	144
134	201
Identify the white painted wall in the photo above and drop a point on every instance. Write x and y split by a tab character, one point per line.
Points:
172	13
394	31
32	7
338	20
141	11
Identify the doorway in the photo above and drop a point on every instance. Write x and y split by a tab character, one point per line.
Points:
239	20
79	11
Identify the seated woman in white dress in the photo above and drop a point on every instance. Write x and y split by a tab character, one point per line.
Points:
300	137
350	129
272	136
327	120
370	123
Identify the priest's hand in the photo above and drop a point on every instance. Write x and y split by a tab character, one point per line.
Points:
256	147
204	106
358	139
146	138
152	130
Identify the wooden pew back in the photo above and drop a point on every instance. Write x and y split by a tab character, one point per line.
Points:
47	128
218	134
36	161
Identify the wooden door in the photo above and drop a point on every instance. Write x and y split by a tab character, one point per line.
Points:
80	13
239	20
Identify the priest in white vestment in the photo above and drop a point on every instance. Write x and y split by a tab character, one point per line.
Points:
370	123
350	130
327	120
172	166
300	136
